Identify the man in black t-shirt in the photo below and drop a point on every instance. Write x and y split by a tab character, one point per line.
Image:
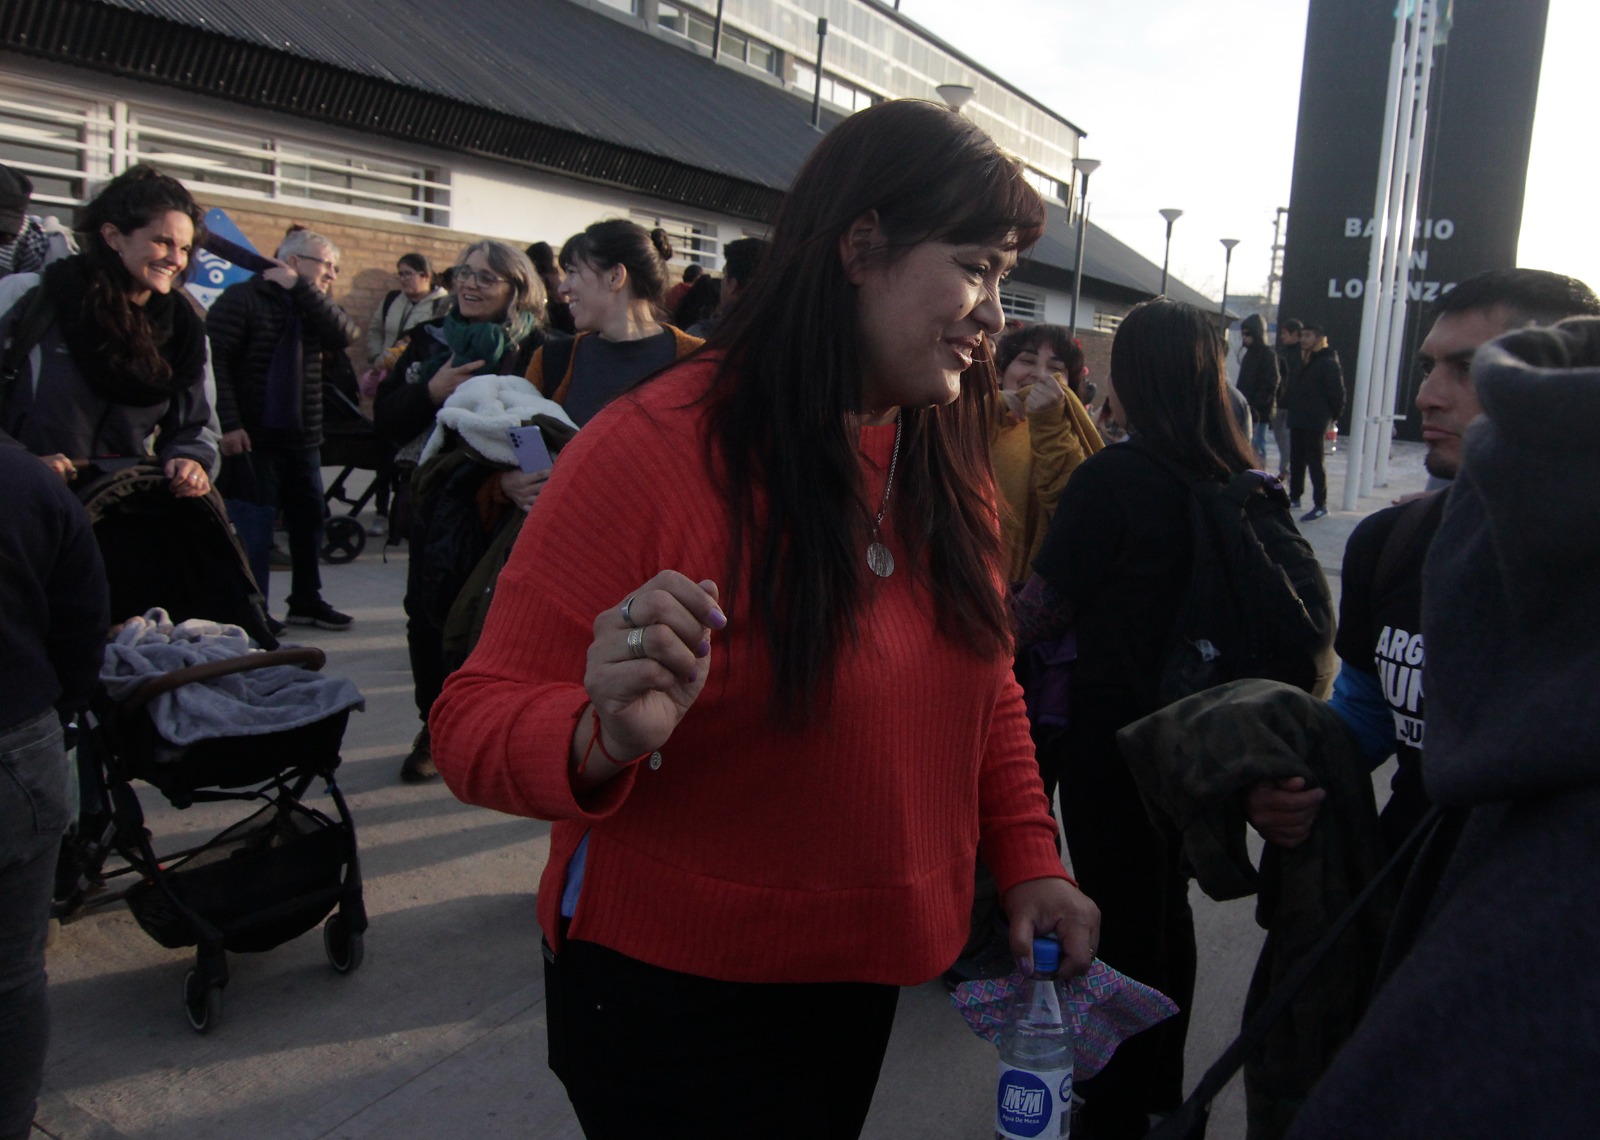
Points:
1379	689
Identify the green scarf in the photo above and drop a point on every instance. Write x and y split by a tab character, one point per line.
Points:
468	340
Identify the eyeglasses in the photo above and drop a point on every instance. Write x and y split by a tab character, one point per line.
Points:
482	277
333	266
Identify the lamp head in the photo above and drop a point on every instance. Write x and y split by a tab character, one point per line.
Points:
1228	243
1171	213
955	95
1086	166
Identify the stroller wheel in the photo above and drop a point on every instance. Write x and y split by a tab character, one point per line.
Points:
345	947
201	1002
343	539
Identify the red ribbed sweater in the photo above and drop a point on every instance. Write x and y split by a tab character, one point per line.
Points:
840	852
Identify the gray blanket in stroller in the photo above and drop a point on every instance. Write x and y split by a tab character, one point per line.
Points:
273	699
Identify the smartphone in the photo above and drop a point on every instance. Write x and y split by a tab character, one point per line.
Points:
527	444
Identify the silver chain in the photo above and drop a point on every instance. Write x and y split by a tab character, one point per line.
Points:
888	486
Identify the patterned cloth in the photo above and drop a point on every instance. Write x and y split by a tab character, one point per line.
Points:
1105	1007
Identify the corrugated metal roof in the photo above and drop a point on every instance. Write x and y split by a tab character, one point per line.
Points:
551	62
547	82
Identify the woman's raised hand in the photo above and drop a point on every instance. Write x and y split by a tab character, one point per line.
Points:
649	660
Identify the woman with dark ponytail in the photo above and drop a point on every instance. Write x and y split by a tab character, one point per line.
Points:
752	654
117	355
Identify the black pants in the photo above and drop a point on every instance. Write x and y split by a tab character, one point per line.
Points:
644	1051
1134	872
293	478
1306	448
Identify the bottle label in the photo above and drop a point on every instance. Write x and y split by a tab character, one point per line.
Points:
1032	1104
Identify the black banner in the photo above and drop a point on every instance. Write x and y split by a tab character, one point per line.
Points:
1469	212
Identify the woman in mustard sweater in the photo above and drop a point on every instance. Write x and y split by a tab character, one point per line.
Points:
1042	436
797	721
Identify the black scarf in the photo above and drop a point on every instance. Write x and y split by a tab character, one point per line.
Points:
180	337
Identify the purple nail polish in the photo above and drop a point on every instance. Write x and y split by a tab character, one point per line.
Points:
716	619
704	648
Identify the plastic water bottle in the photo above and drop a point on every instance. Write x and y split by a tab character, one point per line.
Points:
1034	1096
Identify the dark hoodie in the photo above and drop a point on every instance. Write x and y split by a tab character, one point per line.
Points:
1316	395
1490	1022
1258	371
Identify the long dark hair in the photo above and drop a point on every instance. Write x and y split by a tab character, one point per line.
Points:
130	201
1169	370
785	392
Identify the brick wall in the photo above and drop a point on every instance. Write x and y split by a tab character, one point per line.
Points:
368	250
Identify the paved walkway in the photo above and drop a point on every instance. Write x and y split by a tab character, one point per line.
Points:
441	1033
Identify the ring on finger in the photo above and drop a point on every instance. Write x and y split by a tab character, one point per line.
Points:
636	643
626	609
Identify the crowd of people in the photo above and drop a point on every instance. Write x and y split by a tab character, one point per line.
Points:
868	591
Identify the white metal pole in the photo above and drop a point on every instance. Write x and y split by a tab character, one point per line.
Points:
1369	298
1397	324
1394	273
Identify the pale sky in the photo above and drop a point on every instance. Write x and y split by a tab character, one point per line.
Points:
1193	105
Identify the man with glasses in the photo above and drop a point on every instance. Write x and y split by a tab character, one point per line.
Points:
267	336
1379	687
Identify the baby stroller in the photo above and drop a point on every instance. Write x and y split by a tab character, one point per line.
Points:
180	555
351	443
263	879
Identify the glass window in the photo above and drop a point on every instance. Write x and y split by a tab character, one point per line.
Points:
733	43
670	18
1019	304
762	56
57	143
699	29
691	240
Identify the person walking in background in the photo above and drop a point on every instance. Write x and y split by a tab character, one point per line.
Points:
1290	361
492	329
558	317
54	595
676	294
27	243
268	335
417	301
1315	400
1259	377
740	260
117	355
797	720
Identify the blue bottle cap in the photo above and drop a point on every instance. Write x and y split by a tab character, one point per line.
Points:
1046	955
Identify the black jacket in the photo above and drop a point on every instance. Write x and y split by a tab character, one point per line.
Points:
1316	395
245	325
1258	371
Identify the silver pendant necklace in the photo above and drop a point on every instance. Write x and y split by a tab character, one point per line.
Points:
879	560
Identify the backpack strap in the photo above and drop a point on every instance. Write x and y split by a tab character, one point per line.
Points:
1402	541
1189	1120
35	314
388	303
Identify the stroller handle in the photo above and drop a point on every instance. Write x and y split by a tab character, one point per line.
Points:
309	656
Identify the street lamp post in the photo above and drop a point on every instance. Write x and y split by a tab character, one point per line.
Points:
1227	265
1171	214
1085	167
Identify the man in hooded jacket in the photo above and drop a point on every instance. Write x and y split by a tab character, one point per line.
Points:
1258	379
1486	1025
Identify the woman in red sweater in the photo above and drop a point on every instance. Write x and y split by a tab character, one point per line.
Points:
797	722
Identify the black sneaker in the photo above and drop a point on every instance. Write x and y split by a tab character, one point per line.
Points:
320	614
275	627
1312	515
1294	504
417	767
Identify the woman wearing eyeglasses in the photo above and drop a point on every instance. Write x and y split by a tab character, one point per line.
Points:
496	322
